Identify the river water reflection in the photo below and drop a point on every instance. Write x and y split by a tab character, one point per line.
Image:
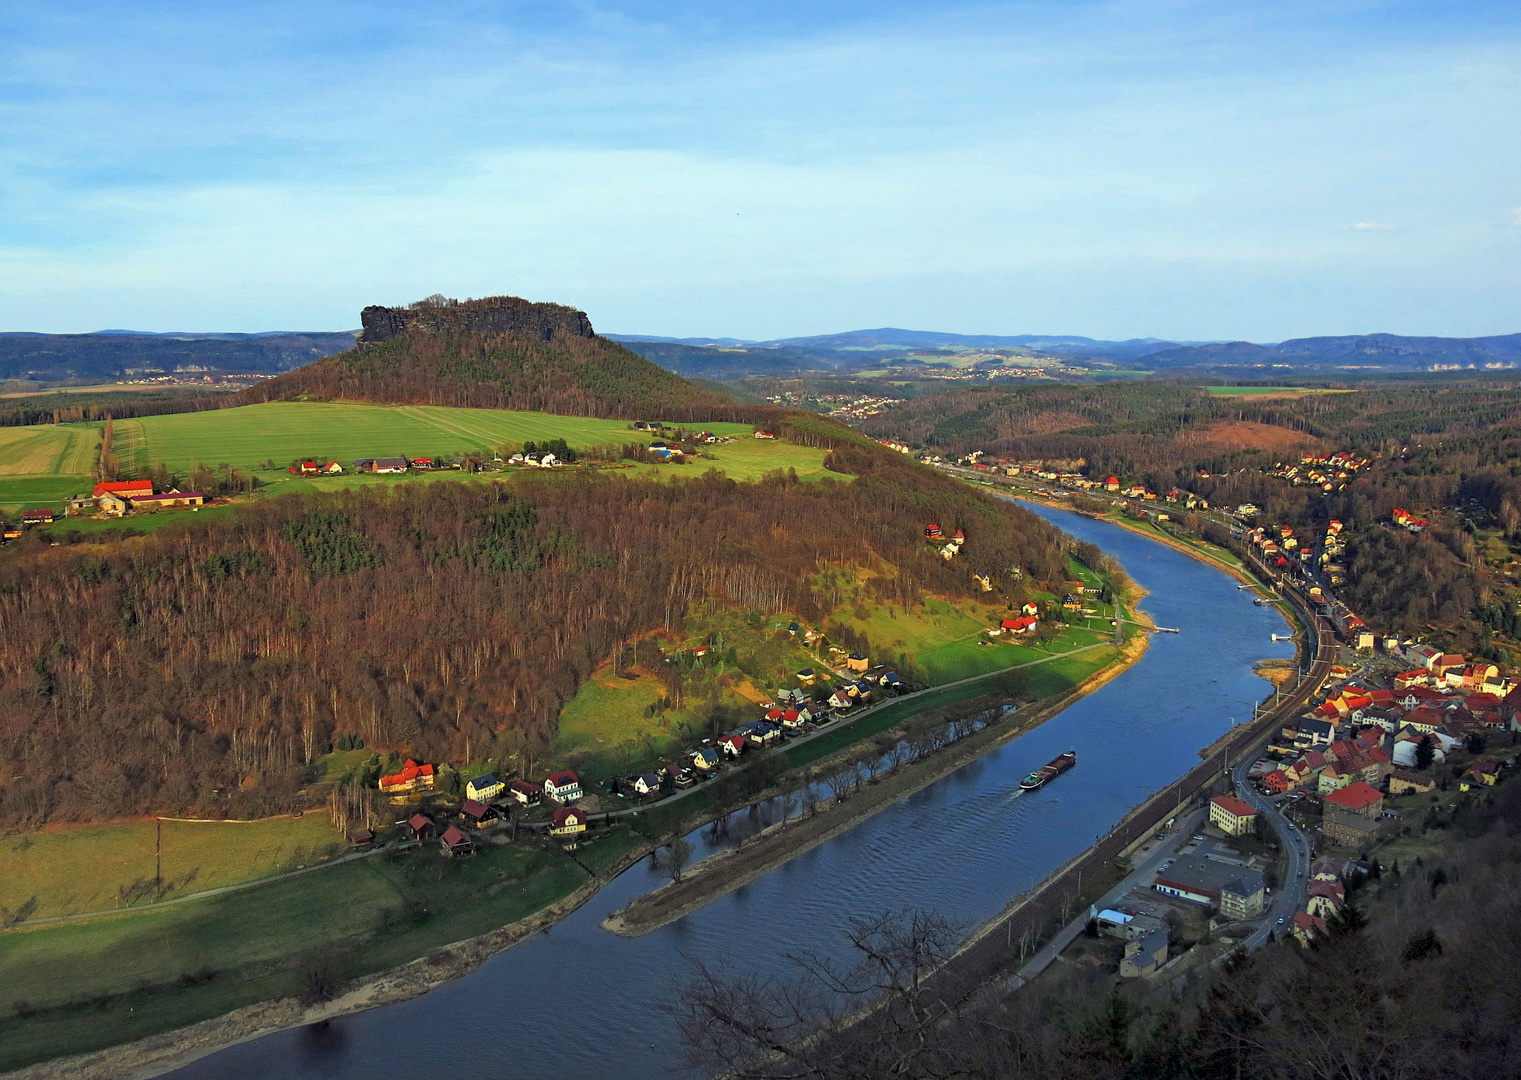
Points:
580	1002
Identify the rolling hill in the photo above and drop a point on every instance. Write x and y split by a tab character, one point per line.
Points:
1383	352
499	352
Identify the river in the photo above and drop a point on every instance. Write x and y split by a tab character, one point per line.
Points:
582	1004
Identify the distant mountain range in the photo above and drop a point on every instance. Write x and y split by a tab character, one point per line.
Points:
730	358
1385	352
115	354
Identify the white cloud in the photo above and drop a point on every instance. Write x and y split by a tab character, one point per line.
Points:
1372	226
1515	217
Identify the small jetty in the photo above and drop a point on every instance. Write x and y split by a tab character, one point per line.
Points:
1167	630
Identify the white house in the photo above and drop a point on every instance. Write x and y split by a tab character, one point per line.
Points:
563	787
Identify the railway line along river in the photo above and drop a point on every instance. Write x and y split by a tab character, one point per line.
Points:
579	1001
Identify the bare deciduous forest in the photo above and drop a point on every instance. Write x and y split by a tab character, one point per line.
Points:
203	668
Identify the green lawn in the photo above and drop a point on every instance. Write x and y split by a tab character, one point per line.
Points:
70	869
43	465
109	980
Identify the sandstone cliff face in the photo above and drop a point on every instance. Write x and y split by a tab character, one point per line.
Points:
490	315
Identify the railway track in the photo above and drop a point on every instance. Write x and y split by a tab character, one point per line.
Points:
993	949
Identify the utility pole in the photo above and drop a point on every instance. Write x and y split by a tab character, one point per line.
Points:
158	857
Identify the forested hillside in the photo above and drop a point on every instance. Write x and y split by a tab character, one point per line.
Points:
1447	449
496	353
203	668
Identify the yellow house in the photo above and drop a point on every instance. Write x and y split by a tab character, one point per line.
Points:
568	821
1231	816
856	662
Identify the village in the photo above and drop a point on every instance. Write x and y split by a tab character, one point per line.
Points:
1403	739
1404	735
563	808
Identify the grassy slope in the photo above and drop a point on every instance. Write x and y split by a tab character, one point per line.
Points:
83	868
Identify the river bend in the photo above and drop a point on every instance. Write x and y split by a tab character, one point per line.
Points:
577	1002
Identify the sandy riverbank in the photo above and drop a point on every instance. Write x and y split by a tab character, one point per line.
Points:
722	873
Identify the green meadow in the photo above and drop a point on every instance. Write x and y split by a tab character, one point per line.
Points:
40	466
40	871
73	987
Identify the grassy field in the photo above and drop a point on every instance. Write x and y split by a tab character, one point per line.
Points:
65	870
47	451
603	730
42	465
90	984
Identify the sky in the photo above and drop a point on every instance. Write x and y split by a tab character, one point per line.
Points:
1188	169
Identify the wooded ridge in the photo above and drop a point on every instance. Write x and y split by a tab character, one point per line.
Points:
203	668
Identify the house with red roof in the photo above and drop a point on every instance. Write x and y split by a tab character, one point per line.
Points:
1231	816
1324	898
1023	624
477	814
417	827
1484	772
733	745
568	822
563	787
454	842
1307	927
1276	782
1351	814
126	489
412	778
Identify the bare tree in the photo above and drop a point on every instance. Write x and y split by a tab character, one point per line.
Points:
810	800
874	1016
675	856
840	783
788	804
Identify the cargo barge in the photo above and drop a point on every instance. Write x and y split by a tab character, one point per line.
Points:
1054	768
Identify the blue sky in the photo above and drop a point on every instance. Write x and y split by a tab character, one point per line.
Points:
1177	168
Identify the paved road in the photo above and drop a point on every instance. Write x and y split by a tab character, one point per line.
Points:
1291	892
1142	876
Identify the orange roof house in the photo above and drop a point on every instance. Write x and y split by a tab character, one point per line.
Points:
413	777
1359	798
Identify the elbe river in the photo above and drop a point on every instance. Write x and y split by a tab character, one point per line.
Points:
579	1003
